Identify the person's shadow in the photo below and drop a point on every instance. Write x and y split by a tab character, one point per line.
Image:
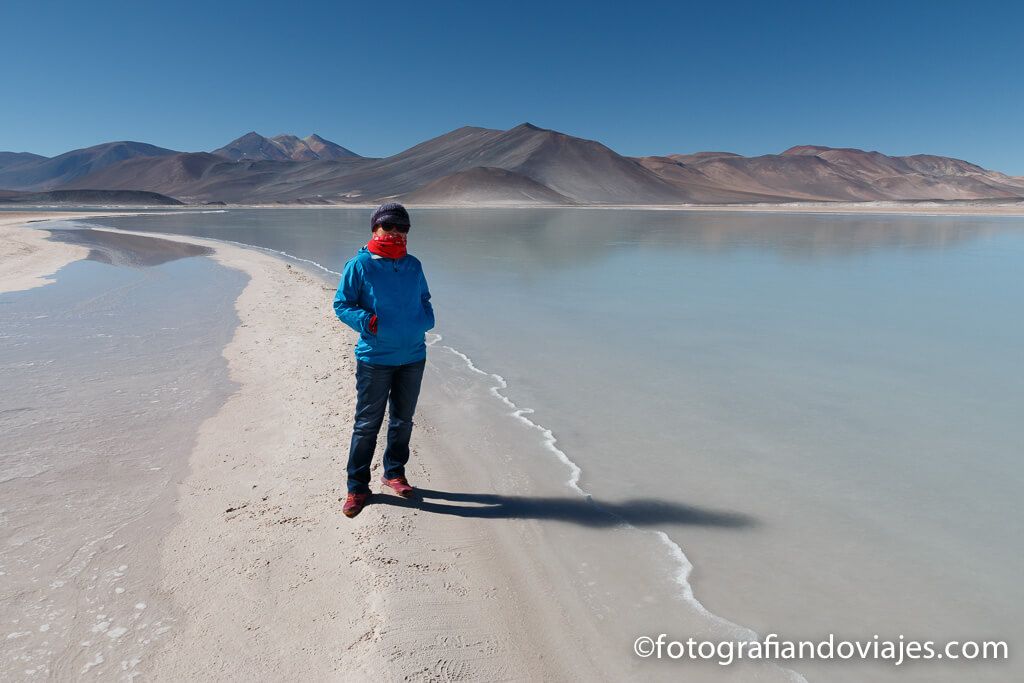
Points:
581	510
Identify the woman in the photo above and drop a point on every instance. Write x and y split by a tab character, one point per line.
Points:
383	296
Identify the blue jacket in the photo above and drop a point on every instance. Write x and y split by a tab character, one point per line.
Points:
396	291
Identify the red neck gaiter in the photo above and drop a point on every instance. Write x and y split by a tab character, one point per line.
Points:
388	244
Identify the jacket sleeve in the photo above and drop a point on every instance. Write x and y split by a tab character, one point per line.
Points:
428	308
346	300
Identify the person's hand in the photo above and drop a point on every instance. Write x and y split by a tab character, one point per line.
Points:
372	325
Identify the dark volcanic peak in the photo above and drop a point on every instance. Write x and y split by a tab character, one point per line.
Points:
583	170
254	147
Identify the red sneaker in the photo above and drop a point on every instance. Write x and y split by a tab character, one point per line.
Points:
400	486
354	504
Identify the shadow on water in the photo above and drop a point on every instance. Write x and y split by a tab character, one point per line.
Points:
127	250
582	511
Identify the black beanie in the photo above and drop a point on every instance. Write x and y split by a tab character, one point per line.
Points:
391	213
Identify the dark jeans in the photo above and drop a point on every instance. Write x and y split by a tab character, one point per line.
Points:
374	385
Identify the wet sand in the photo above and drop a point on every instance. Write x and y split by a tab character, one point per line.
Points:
106	380
26	260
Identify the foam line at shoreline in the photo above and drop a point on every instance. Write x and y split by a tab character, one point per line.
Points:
575	472
685	567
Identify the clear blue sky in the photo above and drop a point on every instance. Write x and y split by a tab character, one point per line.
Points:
898	76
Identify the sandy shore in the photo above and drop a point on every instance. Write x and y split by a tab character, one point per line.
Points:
271	578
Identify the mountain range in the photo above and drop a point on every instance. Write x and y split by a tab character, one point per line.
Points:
483	166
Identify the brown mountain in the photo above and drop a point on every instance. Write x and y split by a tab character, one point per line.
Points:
701	188
12	159
44	174
832	174
167	175
199	177
254	147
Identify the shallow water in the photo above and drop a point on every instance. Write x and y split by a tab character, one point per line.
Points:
106	374
826	408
